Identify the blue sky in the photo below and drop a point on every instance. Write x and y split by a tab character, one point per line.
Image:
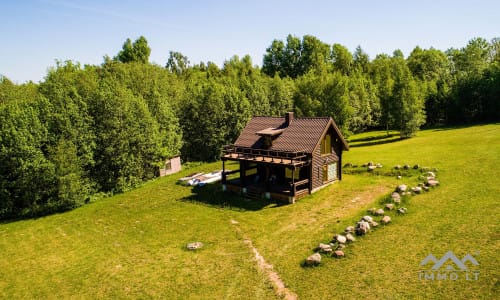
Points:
34	33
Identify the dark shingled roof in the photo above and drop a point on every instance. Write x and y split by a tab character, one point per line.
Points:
302	134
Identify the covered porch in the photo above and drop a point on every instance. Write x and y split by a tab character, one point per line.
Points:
279	175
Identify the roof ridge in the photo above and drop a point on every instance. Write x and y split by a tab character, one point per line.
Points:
295	118
313	118
268	117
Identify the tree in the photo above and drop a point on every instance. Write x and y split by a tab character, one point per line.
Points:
315	55
292	57
382	76
364	103
409	112
325	95
177	63
361	60
127	138
342	59
401	102
296	57
138	51
26	176
274	58
431	69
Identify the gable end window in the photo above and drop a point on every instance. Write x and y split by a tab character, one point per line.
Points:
326	145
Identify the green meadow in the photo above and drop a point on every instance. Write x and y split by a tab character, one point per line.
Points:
133	245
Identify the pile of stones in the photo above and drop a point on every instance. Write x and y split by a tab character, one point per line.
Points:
371	166
335	248
340	241
428	181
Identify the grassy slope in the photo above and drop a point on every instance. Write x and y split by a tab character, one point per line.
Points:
132	245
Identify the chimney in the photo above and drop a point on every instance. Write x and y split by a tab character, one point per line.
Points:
288	118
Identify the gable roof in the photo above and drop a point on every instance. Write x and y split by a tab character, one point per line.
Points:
302	134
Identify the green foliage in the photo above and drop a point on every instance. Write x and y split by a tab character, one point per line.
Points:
296	57
26	175
177	63
213	115
104	129
342	59
138	51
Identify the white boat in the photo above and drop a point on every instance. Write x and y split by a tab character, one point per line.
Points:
209	178
188	180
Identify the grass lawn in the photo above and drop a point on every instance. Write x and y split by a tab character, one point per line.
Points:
133	245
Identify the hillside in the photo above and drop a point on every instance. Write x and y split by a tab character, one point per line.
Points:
133	245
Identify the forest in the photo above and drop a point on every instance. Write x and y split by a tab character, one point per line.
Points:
93	130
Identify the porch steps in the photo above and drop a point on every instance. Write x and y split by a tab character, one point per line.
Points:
253	193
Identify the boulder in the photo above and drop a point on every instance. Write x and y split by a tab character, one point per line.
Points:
386	220
362	227
325	248
401	188
348	165
366	219
349	229
402	210
370	163
373	224
397	167
314	259
396	197
350	238
399	177
379	166
340	238
389	206
406	167
194	246
371	168
416	167
340	246
339	253
431	174
379	212
417	190
432	182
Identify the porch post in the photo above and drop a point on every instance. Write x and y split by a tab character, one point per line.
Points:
243	168
292	190
223	171
268	184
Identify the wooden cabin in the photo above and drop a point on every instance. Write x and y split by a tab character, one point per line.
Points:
284	158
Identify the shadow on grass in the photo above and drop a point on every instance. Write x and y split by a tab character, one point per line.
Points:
462	126
382	140
212	194
374	137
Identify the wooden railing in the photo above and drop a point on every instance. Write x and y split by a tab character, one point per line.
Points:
293	157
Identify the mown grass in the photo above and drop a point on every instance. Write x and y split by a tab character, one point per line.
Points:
133	245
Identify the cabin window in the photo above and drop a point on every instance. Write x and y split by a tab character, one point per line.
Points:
168	165
268	142
326	145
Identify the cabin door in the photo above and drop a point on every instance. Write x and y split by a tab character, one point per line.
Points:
329	172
